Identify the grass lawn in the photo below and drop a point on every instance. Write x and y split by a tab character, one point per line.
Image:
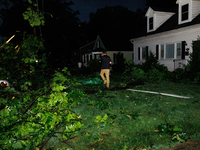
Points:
122	119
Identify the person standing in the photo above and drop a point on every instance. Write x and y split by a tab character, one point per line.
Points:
105	68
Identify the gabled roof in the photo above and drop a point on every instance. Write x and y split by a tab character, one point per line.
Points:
160	10
99	44
93	46
170	24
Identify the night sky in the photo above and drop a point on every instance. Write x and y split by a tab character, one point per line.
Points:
85	7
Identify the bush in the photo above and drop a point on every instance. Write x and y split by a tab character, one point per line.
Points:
154	75
152	63
194	62
119	66
94	65
134	74
180	75
39	104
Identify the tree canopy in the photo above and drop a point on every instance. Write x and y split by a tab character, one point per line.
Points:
39	104
115	25
61	31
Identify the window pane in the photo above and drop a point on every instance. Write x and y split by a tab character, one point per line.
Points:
144	53
185	16
162	52
184	12
170	51
185	8
151	23
178	56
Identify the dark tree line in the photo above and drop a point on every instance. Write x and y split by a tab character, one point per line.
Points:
64	32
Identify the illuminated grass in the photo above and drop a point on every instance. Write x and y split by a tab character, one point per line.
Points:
133	117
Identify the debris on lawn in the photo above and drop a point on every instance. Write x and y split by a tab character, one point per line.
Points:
172	95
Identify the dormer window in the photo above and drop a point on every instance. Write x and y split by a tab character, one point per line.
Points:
184	12
151	23
187	10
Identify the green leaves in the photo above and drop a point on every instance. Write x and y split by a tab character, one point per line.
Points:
34	16
46	110
39	104
100	119
177	128
17	145
30	1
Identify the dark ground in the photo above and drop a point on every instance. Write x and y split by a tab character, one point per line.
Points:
191	145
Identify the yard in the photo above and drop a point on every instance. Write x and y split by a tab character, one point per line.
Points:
118	118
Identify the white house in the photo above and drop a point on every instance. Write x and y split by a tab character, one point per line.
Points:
169	34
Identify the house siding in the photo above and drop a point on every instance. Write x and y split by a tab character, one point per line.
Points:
187	34
160	19
128	55
195	8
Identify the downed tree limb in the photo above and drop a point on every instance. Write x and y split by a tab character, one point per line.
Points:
172	95
94	144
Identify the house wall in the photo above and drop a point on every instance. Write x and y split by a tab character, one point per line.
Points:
195	8
187	34
128	55
160	18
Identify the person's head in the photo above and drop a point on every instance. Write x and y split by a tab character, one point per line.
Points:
103	53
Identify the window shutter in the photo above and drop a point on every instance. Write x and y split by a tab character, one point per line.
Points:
157	52
147	52
138	53
183	50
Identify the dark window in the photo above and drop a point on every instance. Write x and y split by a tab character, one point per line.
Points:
178	51
151	23
184	12
170	51
144	52
114	58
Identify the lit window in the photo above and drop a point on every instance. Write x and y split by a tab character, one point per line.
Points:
170	51
184	12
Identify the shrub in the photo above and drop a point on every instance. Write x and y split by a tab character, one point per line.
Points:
154	75
119	66
134	74
152	63
194	62
94	65
180	75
